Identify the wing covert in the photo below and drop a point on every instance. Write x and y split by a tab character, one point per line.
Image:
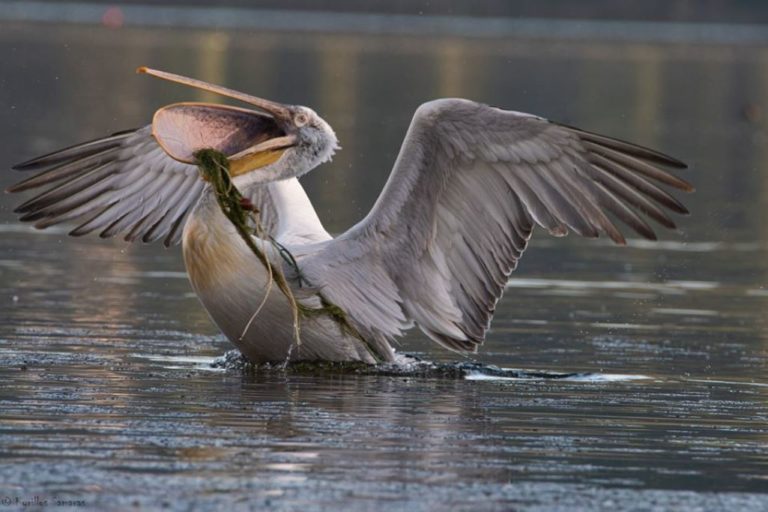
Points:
469	184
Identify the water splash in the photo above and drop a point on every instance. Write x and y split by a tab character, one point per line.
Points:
183	362
509	374
411	366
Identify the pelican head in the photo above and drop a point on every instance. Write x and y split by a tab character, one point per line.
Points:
314	143
275	143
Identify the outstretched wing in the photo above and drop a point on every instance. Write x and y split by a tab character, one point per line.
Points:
123	184
468	186
126	184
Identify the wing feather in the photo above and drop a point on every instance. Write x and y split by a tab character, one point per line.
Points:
77	152
468	186
122	184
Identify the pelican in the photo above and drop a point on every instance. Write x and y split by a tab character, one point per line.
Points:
470	184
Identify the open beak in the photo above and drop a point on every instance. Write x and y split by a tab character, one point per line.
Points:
261	155
248	139
279	111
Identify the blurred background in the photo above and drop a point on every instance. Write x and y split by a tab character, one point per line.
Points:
642	71
98	337
688	78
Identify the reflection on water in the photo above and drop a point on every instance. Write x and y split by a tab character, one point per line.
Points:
105	393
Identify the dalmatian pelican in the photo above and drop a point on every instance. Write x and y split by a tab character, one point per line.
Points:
470	184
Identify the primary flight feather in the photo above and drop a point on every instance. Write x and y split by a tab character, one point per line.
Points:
467	188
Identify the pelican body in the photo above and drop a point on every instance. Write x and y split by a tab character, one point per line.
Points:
232	283
467	189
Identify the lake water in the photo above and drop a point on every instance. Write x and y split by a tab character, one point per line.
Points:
107	397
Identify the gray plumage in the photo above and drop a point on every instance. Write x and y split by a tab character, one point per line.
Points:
468	187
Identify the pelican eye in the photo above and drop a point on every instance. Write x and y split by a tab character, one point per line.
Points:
300	119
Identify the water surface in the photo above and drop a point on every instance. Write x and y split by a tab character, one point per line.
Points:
106	392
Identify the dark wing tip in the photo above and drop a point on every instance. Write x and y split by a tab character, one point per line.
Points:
74	152
679	183
629	148
454	344
645	231
669	161
27	165
617	237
